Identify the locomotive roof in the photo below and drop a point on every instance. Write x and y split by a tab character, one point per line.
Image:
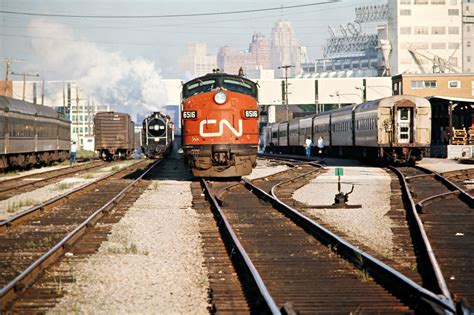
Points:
219	75
23	107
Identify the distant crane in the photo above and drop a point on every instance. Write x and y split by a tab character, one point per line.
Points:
440	65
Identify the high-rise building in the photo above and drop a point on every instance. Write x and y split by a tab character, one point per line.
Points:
425	36
260	51
230	61
468	36
197	62
284	48
257	57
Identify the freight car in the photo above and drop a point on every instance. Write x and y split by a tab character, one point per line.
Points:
395	129
157	135
220	125
31	134
114	135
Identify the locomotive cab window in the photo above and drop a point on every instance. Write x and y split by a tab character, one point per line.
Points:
238	86
199	87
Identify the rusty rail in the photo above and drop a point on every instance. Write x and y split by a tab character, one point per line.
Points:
28	213
464	194
378	269
253	273
28	276
436	269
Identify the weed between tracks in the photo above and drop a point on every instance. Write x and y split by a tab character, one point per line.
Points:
14	206
63	186
43	242
115	168
9	173
130	248
363	275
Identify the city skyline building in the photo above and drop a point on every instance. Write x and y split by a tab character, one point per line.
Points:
197	62
285	49
256	58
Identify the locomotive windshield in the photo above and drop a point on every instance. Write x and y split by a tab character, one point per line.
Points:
214	80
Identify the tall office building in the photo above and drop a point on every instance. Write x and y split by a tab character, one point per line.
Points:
468	36
425	36
260	51
285	49
256	58
197	62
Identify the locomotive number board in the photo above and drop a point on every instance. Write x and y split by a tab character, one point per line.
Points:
251	113
189	114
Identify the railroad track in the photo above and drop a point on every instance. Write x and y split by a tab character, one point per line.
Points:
285	260
443	210
29	246
14	186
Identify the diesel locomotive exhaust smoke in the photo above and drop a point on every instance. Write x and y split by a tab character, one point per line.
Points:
107	77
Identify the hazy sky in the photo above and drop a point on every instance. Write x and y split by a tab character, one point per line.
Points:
122	61
159	40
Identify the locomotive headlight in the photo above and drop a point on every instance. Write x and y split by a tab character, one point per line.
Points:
220	98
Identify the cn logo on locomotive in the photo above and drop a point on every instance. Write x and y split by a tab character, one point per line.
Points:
237	133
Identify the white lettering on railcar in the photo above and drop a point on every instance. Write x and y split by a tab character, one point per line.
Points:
223	122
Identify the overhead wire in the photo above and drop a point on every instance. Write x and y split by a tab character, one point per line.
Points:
166	15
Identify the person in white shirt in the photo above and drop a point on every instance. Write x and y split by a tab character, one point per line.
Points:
72	156
320	146
308	144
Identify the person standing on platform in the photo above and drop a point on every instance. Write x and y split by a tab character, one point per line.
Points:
72	156
308	144
320	146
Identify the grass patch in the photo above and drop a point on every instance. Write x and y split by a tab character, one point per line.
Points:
14	206
83	154
9	173
128	249
155	185
115	168
63	186
363	275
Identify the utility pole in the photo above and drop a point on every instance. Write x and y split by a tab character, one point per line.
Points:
286	67
42	93
8	62
25	74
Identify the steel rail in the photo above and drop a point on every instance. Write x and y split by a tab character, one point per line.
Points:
438	274
350	251
72	169
419	204
24	215
271	305
26	278
467	196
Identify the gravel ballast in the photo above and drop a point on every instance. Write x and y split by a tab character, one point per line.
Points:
151	264
370	224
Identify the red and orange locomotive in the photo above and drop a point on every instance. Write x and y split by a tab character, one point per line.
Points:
220	125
